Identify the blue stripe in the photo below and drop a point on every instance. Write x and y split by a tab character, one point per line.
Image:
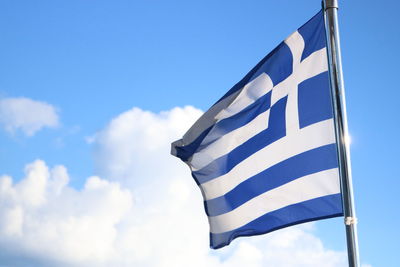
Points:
314	98
311	210
276	130
313	33
312	161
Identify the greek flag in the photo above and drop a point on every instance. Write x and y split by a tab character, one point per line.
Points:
265	155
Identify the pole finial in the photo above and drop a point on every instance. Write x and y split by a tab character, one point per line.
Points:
331	4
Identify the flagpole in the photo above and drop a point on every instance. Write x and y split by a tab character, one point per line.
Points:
342	136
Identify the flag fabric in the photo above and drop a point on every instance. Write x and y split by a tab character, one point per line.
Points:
265	154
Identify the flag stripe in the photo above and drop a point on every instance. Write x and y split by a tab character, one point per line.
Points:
248	95
322	158
319	208
313	136
305	188
313	65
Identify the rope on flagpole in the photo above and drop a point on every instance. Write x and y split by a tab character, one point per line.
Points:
350	220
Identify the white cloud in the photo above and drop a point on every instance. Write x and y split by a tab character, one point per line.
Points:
45	219
42	216
149	212
26	115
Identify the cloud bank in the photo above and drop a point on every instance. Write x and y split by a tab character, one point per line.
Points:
144	211
26	115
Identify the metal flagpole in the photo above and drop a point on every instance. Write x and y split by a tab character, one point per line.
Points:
339	105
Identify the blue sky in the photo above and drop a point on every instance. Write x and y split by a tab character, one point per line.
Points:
91	62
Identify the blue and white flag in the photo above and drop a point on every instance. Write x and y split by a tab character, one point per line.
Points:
264	156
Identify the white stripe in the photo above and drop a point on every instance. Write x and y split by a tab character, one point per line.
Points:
248	95
305	188
229	141
313	65
310	137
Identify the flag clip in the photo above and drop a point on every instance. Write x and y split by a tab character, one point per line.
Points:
350	220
